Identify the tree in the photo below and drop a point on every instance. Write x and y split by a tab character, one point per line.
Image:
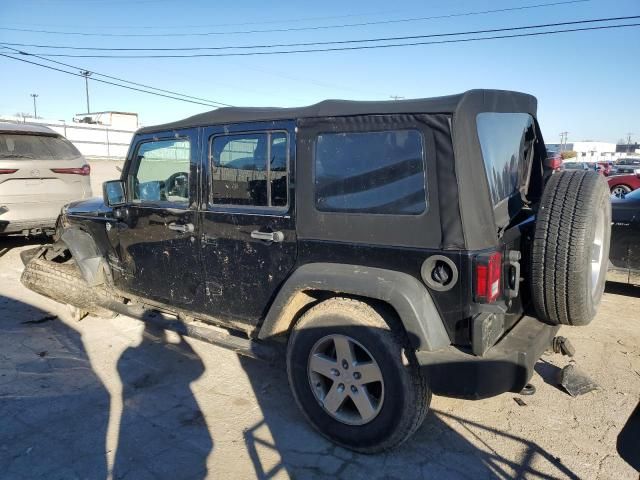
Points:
568	154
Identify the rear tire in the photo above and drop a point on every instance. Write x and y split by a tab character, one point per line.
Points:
396	394
63	283
570	250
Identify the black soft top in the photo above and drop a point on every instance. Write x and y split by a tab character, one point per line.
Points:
490	100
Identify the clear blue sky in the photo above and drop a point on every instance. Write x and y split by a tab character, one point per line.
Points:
586	83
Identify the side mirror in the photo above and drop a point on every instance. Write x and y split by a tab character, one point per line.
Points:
113	193
637	172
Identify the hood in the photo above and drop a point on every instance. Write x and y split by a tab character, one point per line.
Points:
92	206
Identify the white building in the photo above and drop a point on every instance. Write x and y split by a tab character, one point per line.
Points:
589	151
595	151
99	134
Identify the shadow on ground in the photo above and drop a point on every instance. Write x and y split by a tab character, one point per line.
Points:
622	289
436	451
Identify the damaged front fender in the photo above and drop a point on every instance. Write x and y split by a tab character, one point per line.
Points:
86	254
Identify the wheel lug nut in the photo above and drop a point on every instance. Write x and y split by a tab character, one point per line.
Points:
345	364
354	389
341	387
357	375
335	372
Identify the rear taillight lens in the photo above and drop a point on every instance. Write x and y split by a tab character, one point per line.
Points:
554	162
8	171
488	277
84	170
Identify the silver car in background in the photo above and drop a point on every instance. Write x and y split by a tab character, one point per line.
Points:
40	171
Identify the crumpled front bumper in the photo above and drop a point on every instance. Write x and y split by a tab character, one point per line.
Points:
506	367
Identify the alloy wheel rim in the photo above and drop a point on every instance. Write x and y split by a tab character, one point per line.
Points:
345	379
597	253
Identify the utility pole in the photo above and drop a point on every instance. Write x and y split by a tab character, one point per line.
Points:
86	74
396	97
629	142
35	110
563	140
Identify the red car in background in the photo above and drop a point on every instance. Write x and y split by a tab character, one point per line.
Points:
620	185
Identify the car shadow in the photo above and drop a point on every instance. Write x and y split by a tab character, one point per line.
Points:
549	373
8	243
437	450
625	289
54	408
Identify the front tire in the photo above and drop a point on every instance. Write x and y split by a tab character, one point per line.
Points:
353	378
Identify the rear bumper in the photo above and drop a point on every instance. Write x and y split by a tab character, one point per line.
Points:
506	367
17	217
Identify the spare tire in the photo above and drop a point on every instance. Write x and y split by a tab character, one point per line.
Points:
571	248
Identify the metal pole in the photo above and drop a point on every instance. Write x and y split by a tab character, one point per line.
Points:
86	74
35	110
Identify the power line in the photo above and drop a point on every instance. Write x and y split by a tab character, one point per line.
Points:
298	29
75	67
339	49
332	42
209	25
104	81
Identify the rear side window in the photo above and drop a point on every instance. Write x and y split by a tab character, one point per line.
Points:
36	147
506	140
371	172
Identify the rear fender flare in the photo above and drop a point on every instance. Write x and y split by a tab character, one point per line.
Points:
87	255
410	299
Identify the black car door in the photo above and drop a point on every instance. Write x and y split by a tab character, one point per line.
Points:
158	241
247	218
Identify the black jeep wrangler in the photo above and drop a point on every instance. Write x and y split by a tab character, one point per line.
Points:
398	249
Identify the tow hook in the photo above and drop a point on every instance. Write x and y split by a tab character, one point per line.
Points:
563	345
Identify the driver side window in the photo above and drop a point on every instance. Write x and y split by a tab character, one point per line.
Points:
161	172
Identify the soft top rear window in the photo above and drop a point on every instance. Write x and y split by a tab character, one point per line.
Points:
36	147
506	140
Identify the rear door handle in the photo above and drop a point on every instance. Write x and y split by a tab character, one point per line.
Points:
186	228
268	236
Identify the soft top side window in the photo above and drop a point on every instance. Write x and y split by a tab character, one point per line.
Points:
378	172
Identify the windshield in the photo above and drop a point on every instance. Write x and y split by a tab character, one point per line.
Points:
38	147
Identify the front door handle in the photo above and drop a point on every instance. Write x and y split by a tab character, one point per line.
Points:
268	236
186	228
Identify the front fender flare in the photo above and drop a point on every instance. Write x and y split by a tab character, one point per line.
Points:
410	298
88	257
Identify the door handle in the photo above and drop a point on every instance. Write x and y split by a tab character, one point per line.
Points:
268	236
186	228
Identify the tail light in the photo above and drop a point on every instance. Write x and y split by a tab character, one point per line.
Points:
488	277
84	170
8	171
554	162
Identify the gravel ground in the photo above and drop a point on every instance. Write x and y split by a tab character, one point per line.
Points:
110	398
